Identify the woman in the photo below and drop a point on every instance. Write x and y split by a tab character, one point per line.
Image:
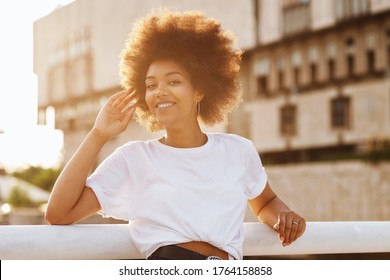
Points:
184	194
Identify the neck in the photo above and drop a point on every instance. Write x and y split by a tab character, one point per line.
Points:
184	138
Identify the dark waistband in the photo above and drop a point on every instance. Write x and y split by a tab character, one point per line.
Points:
173	252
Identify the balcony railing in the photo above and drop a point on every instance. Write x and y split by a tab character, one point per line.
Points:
114	242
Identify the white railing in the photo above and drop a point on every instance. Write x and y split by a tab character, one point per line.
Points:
114	242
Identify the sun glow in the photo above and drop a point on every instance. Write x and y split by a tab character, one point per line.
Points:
22	141
37	146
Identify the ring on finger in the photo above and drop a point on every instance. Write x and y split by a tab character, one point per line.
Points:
295	223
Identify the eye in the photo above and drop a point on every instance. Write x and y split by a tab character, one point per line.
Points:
174	82
150	86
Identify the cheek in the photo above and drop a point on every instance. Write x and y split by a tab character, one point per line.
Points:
149	101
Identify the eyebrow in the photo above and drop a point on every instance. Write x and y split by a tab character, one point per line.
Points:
167	74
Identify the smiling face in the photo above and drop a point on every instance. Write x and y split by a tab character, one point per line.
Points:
170	95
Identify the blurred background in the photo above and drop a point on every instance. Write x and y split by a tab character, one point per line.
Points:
315	76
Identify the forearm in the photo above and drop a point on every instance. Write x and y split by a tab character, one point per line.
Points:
268	206
275	213
70	184
270	212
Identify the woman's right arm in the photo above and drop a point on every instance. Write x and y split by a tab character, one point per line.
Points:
70	200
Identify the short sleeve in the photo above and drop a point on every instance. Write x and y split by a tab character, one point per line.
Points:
110	183
255	177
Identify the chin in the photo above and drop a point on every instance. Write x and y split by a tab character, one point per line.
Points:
165	122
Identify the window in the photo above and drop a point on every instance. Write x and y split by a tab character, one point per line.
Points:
370	52
281	79
370	61
71	125
340	112
261	69
331	69
262	85
78	75
42	116
296	75
71	74
350	65
347	9
313	73
388	50
350	56
56	83
296	16
50	117
280	72
313	58
288	120
296	61
331	51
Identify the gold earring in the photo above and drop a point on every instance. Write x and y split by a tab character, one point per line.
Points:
198	108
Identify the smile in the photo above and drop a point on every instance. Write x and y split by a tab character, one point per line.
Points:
165	105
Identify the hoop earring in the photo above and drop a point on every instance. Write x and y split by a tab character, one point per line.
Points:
198	108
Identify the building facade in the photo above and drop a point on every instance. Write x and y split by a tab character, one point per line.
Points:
76	57
315	74
317	85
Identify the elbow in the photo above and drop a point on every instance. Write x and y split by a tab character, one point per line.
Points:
50	218
53	218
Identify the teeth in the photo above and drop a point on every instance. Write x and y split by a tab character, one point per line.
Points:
164	105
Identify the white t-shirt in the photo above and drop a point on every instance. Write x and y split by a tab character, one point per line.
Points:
174	195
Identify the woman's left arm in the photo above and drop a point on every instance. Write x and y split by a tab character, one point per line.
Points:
275	213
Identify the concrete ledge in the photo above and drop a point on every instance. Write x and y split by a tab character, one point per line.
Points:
114	242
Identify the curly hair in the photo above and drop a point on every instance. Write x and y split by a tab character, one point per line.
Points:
194	41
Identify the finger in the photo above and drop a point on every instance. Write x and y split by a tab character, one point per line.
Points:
287	230
127	102
118	98
281	223
113	99
128	116
129	106
276	227
294	230
301	228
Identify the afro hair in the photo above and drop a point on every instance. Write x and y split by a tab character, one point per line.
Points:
199	44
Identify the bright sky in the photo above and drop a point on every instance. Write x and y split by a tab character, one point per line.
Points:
22	142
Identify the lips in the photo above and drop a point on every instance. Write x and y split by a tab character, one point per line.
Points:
163	105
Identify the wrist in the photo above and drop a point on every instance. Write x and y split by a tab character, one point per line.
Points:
97	135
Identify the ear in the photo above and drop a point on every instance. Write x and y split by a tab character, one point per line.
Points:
199	96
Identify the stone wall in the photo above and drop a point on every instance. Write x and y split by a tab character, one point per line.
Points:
334	191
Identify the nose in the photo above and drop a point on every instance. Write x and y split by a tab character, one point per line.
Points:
160	91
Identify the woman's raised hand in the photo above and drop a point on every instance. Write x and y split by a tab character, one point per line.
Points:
115	115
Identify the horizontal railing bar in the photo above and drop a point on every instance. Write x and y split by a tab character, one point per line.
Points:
113	241
321	238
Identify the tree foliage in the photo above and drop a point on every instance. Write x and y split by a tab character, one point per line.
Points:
19	198
39	176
